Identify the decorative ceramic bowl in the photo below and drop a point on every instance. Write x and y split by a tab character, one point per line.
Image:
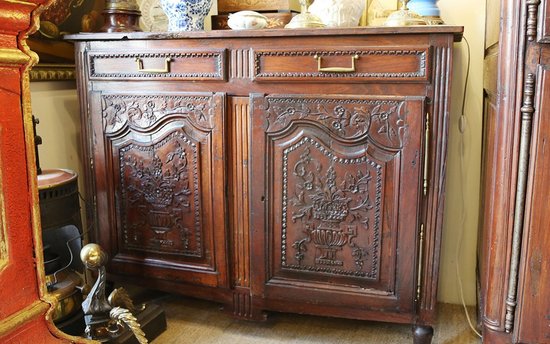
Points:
247	20
338	13
426	8
186	15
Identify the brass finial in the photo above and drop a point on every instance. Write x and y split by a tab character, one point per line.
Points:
93	256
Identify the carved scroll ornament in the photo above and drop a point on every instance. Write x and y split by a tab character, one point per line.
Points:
382	120
145	111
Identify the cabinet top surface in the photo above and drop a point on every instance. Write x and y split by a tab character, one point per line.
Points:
456	31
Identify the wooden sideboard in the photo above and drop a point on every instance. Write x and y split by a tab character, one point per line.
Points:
283	170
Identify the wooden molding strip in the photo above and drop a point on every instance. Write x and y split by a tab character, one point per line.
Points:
36	309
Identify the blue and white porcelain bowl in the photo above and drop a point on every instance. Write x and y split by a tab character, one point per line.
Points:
186	15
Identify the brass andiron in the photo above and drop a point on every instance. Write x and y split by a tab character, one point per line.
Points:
105	318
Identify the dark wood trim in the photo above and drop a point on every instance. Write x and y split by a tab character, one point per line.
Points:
514	285
456	31
500	175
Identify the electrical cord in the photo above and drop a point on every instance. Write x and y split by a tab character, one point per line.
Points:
462	126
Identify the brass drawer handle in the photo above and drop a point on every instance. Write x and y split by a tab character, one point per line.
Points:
320	68
166	68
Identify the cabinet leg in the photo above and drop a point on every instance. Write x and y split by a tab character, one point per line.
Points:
242	307
422	334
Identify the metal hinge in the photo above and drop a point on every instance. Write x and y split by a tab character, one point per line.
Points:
527	111
532	13
426	153
420	264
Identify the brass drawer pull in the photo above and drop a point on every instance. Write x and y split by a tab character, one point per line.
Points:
166	68
351	69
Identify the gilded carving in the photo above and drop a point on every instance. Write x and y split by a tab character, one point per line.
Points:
382	120
4	257
331	211
18	319
13	57
160	206
48	72
145	111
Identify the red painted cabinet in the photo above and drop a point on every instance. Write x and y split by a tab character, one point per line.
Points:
23	310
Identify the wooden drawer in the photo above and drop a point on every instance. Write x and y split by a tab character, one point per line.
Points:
158	65
380	64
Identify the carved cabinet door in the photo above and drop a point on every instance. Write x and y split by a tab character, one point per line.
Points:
336	200
533	293
160	185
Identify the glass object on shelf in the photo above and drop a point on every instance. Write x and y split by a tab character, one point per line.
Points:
305	19
153	17
338	13
404	17
246	20
379	10
427	9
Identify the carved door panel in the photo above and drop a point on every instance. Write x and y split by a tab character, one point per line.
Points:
335	199
164	182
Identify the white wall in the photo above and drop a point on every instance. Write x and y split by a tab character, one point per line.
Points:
55	104
463	168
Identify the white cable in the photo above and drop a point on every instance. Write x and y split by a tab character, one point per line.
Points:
463	123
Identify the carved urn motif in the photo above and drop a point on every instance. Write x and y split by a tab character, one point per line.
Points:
331	209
